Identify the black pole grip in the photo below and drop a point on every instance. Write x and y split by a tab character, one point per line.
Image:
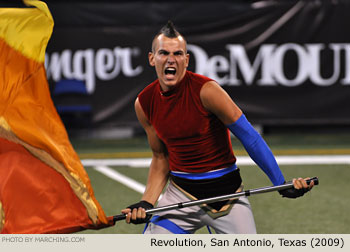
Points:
119	217
315	179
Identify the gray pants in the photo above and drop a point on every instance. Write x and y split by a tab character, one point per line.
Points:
239	220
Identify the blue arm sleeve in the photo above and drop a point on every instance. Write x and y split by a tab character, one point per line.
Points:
257	149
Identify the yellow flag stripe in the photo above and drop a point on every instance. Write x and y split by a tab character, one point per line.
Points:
27	30
40	5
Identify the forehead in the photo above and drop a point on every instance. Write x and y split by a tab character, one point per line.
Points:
170	44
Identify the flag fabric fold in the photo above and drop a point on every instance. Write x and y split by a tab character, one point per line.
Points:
43	185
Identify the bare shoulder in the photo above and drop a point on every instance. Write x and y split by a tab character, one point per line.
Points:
137	104
212	93
216	100
211	86
138	108
140	113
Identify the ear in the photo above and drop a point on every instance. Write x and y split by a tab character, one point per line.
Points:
187	59
151	58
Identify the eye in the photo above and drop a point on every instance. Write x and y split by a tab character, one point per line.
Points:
178	53
162	52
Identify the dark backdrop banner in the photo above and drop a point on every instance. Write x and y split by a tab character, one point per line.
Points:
282	62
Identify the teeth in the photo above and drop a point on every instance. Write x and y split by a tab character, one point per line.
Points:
170	70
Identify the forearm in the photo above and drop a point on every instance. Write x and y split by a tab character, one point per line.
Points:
257	149
157	179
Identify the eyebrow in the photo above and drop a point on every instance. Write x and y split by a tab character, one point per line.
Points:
176	52
162	50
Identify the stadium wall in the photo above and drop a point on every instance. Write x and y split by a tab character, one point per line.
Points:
284	63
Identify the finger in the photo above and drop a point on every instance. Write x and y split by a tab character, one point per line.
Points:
126	210
127	213
140	213
303	183
312	183
143	215
128	217
297	184
134	214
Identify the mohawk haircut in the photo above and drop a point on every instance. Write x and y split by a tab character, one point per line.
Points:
167	30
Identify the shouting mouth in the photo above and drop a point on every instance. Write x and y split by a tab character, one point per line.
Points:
170	72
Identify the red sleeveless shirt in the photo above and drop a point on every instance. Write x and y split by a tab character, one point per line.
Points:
196	140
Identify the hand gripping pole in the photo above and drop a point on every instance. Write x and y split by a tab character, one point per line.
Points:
219	198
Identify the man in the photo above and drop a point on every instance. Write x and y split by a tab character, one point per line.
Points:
186	117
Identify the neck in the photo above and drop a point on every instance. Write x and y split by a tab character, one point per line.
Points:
166	88
170	89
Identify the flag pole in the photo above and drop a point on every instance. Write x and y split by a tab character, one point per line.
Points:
219	198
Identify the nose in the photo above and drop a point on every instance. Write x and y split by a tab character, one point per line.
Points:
171	59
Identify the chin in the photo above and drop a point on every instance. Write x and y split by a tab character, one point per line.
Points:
171	82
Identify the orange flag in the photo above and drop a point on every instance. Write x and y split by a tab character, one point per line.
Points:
43	185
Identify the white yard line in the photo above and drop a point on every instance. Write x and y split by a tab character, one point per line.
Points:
241	160
131	162
113	174
101	165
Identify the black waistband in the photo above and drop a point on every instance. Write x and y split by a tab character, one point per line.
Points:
206	188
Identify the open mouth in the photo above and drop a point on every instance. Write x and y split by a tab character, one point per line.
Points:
170	70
